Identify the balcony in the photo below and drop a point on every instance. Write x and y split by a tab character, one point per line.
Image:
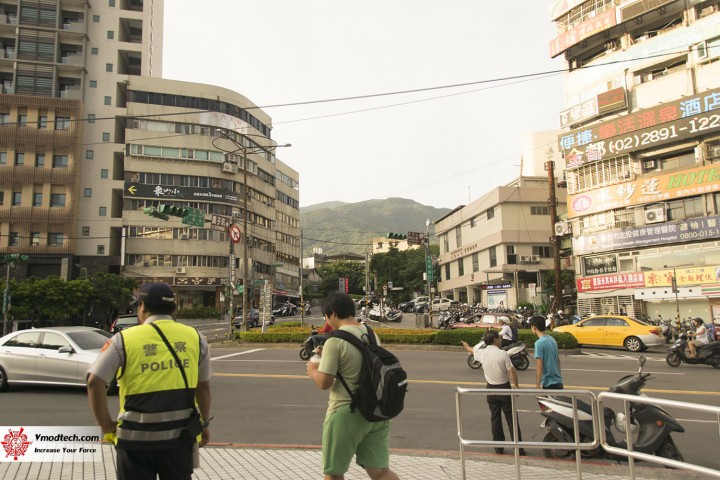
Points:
71	93
75	60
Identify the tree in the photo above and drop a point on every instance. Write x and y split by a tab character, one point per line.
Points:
404	269
331	272
109	294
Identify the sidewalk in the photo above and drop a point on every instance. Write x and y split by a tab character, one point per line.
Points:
223	462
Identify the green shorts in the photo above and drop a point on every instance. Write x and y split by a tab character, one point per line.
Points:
346	434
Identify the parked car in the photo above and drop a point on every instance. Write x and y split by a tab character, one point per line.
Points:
50	356
440	304
411	305
480	320
124	321
615	331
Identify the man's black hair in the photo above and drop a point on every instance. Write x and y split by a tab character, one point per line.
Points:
490	337
160	308
538	321
339	303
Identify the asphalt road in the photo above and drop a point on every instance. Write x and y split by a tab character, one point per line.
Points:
262	396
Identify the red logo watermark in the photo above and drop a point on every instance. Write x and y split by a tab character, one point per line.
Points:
15	443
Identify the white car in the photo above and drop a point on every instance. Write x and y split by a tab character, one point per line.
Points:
440	304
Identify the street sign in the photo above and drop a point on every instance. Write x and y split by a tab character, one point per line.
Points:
429	268
235	234
415	238
194	217
220	223
258	282
240	288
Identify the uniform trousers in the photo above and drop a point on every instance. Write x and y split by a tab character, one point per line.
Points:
174	463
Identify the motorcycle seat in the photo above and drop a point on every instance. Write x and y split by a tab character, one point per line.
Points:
586	408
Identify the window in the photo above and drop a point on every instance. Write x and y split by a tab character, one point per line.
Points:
490	212
16	199
475	262
22	120
57	199
104	173
25	340
34	239
108	67
510	255
55	239
94	51
111	3
101	249
88	192
539	210
461	267
473	222
3	158
106	137
53	341
62	123
102	211
85	231
543	251
93	83
40	160
60	161
108	100
447	271
458	237
595	322
19	158
91	118
96	18
4	118
37	199
2	198
110	34
89	154
14	239
42	121
492	254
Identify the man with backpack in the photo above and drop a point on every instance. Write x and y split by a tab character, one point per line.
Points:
346	430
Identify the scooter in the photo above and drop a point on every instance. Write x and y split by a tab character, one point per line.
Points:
650	425
517	351
308	347
706	354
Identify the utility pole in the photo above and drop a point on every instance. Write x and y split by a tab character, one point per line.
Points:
302	297
552	203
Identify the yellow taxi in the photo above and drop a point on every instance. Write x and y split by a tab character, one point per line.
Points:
615	331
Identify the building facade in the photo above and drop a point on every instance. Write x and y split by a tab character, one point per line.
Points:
496	250
91	135
641	145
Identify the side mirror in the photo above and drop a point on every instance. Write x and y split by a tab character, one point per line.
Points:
66	349
641	361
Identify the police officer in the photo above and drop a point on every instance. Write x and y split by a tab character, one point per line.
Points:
154	400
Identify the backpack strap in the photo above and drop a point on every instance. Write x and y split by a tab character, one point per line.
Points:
359	344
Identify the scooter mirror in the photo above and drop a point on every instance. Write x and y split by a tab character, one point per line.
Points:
641	361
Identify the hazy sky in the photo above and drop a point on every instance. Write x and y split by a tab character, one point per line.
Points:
439	147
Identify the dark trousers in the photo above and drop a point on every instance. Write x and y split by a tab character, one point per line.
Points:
554	386
503	403
169	463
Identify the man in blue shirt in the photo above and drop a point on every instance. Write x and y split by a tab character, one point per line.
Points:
547	357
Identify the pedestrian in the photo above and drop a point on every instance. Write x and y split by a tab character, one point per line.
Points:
346	433
499	373
701	337
547	357
158	391
506	334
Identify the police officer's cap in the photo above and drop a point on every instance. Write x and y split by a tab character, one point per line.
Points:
155	294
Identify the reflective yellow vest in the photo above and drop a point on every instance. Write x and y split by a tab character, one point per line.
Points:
154	404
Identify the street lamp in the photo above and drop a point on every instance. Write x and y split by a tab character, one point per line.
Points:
245	151
11	261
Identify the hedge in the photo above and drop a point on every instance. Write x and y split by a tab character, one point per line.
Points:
294	333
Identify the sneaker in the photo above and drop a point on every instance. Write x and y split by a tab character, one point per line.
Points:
522	452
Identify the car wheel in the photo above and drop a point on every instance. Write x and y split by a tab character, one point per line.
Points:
3	380
634	344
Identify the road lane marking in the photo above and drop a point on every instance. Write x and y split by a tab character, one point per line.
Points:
237	353
482	384
617	371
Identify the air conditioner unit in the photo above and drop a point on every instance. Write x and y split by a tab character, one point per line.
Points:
229	167
655	215
525	259
180	270
562	228
714	152
535	258
650	164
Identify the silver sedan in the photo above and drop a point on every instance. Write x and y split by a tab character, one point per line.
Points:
49	356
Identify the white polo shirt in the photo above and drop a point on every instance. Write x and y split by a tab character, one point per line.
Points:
496	365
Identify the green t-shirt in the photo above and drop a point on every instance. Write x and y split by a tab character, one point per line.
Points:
340	355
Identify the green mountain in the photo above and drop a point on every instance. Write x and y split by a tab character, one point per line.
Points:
339	227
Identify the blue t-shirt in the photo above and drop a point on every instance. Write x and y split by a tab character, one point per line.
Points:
547	349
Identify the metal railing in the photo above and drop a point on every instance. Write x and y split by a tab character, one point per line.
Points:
634	455
576	445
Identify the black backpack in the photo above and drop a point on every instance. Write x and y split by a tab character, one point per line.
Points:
514	333
383	382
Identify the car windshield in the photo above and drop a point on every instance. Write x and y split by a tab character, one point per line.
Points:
126	321
89	339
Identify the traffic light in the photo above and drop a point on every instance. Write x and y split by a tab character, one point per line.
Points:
396	236
173	210
155	212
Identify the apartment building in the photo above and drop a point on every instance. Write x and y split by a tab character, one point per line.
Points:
641	142
91	135
496	250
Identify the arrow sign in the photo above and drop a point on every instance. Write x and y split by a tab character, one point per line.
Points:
234	232
132	189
